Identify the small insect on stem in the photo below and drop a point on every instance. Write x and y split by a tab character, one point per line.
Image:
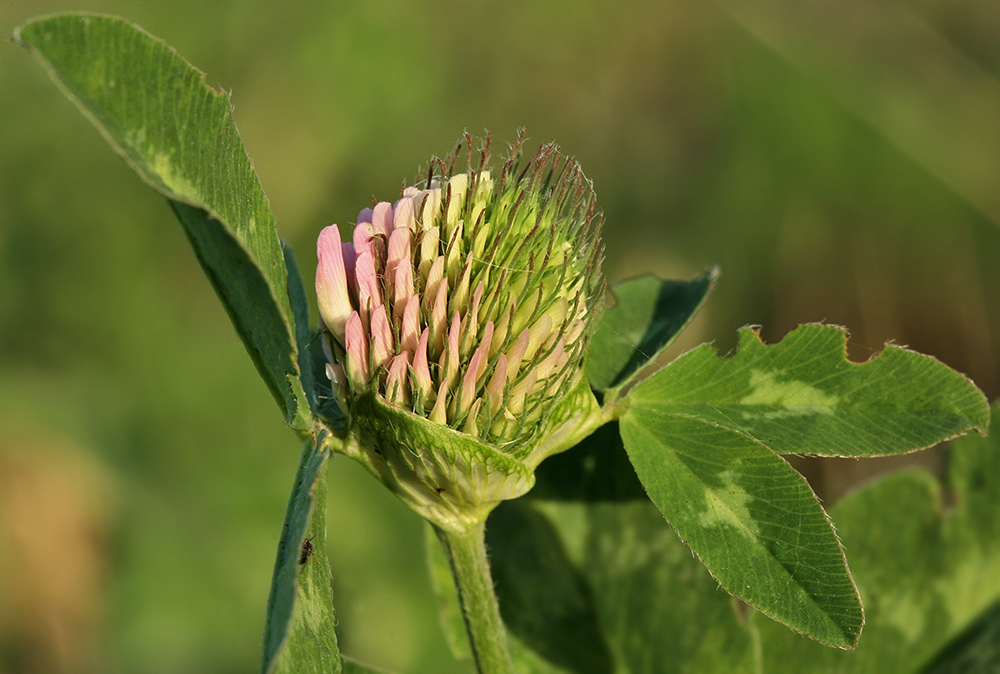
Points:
307	552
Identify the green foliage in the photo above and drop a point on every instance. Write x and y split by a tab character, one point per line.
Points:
299	628
178	134
648	314
802	396
927	573
749	517
703	435
926	569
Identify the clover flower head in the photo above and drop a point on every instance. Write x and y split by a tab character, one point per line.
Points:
469	302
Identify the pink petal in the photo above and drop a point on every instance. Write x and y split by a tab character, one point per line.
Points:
494	390
364	216
403	288
439	316
454	249
516	354
356	345
450	358
369	294
431	206
410	329
362	239
381	337
397	253
500	335
548	364
539	333
432	281
439	414
471	425
458	186
399	248
428	250
520	392
382	219
403	214
470	382
460	298
558	311
484	349
421	370
396	389
331	282
574	330
470	326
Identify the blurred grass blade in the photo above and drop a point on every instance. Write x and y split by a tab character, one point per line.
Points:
299	634
908	81
355	667
178	134
647	315
749	517
802	395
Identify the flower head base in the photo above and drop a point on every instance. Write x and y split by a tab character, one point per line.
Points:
470	301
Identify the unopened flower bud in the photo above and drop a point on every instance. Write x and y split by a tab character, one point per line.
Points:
458	322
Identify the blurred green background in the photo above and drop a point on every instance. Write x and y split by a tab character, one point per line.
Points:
839	160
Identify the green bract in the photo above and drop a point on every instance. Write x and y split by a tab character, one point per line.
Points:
457	324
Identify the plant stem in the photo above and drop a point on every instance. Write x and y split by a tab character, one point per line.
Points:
466	552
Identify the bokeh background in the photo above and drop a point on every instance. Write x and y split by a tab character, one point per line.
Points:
839	159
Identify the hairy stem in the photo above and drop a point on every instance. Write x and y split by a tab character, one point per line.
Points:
466	552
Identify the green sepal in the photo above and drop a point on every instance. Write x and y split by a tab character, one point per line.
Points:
450	478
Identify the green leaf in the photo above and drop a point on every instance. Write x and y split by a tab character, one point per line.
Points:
929	574
178	134
749	517
299	634
802	395
646	317
543	599
926	558
620	570
354	667
304	335
977	649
